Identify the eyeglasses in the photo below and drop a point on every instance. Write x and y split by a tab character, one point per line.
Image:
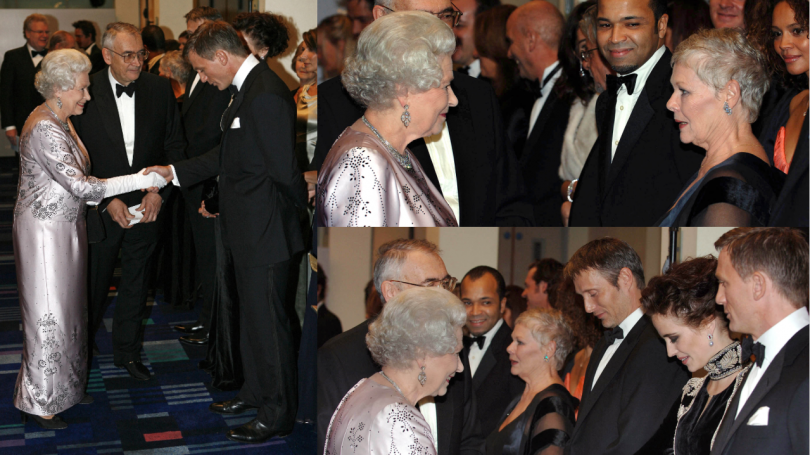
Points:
450	18
130	56
448	283
584	54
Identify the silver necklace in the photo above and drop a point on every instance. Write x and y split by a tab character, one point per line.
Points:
392	383
403	160
65	124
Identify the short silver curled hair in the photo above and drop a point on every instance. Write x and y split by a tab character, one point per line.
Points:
417	322
397	52
547	325
179	67
115	28
392	256
721	55
59	70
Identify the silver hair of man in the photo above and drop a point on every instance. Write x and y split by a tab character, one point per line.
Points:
59	71
396	53
718	56
415	323
115	28
547	325
392	256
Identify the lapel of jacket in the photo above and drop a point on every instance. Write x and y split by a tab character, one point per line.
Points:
488	361
598	352
240	97
539	126
444	422
108	110
143	98
189	97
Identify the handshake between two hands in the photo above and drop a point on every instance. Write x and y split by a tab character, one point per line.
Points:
161	176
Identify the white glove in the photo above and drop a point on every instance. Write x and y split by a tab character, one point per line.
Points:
127	183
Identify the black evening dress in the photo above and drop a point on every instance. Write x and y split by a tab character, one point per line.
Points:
544	428
740	191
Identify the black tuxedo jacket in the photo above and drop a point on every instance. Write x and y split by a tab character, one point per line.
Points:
158	130
260	185
650	168
494	385
490	188
202	111
784	389
329	325
18	96
540	160
344	360
632	408
790	208
97	60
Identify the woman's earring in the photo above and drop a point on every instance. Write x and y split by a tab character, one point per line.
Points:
581	70
422	377
59	102
711	342
726	108
545	358
406	117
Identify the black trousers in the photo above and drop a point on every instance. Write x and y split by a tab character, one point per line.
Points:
202	229
266	344
136	244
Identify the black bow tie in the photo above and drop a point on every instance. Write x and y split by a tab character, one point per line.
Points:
233	90
614	334
536	85
468	341
40	53
756	349
129	90
464	70
614	82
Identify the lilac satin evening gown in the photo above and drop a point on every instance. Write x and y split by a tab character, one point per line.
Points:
50	252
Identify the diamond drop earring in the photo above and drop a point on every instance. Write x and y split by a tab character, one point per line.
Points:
406	117
422	377
726	108
711	342
59	102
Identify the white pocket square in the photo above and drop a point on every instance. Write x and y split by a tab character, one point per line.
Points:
760	418
235	123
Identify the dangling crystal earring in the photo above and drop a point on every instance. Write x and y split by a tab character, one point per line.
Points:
581	70
59	102
726	108
422	377
406	117
711	342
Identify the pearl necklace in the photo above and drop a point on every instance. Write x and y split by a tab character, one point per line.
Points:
403	160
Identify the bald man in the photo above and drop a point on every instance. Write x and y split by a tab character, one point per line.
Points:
61	40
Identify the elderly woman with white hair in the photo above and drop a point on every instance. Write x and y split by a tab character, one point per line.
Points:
177	70
541	341
416	340
401	71
719	81
50	241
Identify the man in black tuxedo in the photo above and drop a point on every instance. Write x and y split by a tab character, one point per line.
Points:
344	360
132	122
763	277
483	292
631	389
465	59
203	105
638	165
18	96
534	31
260	191
155	42
488	186
329	325
85	34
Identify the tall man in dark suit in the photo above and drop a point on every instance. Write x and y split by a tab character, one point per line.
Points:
638	165
132	122
763	277
487	189
18	96
203	105
631	389
534	31
344	360
483	292
85	34
260	191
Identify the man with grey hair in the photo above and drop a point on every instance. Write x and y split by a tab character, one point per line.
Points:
534	31
61	40
18	96
402	264
133	121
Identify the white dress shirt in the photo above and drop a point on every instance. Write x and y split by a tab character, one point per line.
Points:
545	90
626	102
774	339
427	406
194	84
89	49
126	114
626	326
441	155
475	68
477	354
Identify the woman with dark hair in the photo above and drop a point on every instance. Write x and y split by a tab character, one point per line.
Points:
335	42
515	305
683	310
265	33
685	18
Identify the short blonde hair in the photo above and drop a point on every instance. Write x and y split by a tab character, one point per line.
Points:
59	70
547	325
718	56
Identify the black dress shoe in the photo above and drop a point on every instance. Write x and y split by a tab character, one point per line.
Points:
230	407
54	423
87	399
254	432
136	369
189	328
194	341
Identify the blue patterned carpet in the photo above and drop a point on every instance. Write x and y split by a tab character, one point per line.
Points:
166	415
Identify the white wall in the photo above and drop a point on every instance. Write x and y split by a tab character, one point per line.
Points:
302	14
465	248
346	259
169	16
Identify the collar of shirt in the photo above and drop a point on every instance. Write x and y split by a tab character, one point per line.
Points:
320	304
154	60
113	80
244	70
546	88
630	322
643	73
489	335
475	68
775	338
38	58
90	48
